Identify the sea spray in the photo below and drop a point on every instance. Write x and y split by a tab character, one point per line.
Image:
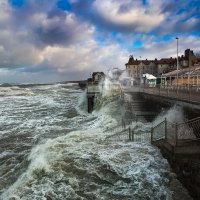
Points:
80	166
174	115
71	158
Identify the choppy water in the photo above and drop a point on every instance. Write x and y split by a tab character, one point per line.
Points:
51	148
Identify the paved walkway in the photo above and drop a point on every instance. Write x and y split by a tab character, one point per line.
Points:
189	95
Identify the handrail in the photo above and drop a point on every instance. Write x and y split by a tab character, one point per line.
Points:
191	120
177	133
159	124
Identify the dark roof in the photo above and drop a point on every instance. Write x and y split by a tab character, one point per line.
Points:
137	62
166	61
133	61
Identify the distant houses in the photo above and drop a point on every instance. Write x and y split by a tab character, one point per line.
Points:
188	65
136	68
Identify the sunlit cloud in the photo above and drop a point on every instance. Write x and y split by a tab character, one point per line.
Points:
132	15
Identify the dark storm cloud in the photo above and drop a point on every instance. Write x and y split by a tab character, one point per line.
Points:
48	68
88	10
177	16
181	17
85	10
47	24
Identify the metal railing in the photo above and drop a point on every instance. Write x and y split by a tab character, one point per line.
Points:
118	134
158	131
189	129
127	132
174	134
180	92
177	134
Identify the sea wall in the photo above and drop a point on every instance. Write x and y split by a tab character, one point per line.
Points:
158	103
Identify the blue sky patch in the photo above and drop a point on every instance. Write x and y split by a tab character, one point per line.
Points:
17	3
64	5
137	43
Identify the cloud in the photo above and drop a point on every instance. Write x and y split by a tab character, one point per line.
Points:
63	31
180	17
40	39
23	38
155	48
75	62
83	57
48	25
121	16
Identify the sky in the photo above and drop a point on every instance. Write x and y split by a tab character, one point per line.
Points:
43	41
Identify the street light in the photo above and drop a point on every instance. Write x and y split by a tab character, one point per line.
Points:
177	62
140	70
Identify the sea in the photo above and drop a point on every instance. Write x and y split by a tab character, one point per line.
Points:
51	148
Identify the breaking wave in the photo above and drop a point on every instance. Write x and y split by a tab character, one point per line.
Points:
53	149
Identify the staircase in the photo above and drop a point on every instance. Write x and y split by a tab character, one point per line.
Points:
136	107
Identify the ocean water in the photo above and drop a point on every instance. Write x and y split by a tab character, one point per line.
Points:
51	148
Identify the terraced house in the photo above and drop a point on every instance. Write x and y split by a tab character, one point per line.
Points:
136	68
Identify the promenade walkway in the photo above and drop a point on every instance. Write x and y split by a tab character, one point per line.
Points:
184	96
180	93
191	94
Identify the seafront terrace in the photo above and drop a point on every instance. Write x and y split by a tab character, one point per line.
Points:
182	93
188	94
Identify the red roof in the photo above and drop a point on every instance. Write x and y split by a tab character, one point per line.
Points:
166	61
132	61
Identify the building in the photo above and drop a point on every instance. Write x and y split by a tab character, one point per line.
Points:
136	68
133	68
97	76
189	59
165	65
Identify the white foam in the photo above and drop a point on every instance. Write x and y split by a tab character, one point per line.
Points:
83	160
173	115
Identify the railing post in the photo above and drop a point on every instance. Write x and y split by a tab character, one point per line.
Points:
166	128
132	135
123	124
151	134
176	134
159	89
129	133
189	93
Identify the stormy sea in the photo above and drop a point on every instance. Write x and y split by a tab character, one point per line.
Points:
51	148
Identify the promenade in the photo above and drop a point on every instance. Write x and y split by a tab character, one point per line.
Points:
181	95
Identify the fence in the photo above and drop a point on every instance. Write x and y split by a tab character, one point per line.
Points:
177	134
174	134
158	131
183	92
189	129
127	132
119	134
183	79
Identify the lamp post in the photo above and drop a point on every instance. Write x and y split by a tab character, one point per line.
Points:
177	63
140	69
